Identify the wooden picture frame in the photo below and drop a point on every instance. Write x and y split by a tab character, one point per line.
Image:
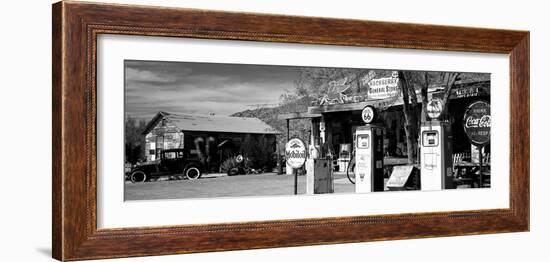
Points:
76	26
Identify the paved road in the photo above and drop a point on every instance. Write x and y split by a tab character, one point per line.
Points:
224	186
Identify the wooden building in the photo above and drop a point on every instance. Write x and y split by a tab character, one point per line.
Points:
211	136
334	117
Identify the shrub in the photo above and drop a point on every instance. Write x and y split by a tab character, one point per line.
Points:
229	163
259	151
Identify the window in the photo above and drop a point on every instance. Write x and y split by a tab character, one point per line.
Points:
170	155
430	138
363	141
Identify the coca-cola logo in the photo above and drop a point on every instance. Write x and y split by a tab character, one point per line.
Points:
477	122
473	122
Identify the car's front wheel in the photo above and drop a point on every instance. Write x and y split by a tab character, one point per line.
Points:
233	171
193	173
138	177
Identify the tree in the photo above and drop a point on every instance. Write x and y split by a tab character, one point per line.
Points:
313	83
410	82
134	142
449	79
258	150
411	124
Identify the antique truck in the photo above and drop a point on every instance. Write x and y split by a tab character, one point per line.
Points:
173	163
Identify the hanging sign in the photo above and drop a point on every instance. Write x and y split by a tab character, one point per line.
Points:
434	107
368	114
383	88
295	152
477	122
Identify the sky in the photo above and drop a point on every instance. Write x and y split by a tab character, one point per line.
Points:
202	88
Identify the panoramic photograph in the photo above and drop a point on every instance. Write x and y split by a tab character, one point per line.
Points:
208	130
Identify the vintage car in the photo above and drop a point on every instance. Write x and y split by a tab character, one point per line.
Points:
173	163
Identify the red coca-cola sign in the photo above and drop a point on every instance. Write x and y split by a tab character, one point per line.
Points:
477	122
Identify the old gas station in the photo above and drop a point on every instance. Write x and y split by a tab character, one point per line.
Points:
364	134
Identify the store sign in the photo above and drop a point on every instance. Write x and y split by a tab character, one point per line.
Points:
295	152
383	88
434	107
461	92
342	99
368	114
399	176
477	122
339	91
466	92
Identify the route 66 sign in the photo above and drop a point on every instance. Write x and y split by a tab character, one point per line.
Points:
368	114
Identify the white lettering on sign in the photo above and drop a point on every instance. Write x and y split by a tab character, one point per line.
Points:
467	92
477	122
483	121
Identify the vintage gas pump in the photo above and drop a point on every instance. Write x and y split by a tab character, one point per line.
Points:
436	170
369	155
319	176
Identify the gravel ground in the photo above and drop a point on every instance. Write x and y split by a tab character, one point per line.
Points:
217	185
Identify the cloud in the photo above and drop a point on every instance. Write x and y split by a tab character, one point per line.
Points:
136	75
202	88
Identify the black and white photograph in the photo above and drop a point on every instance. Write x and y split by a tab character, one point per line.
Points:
208	130
273	131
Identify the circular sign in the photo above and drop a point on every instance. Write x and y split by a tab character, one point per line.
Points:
477	122
368	114
295	152
434	108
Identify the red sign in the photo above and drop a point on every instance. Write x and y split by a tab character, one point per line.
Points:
477	122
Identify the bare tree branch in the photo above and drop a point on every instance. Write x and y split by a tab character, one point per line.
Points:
451	78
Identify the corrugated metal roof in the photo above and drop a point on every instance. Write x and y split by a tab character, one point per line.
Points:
215	123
